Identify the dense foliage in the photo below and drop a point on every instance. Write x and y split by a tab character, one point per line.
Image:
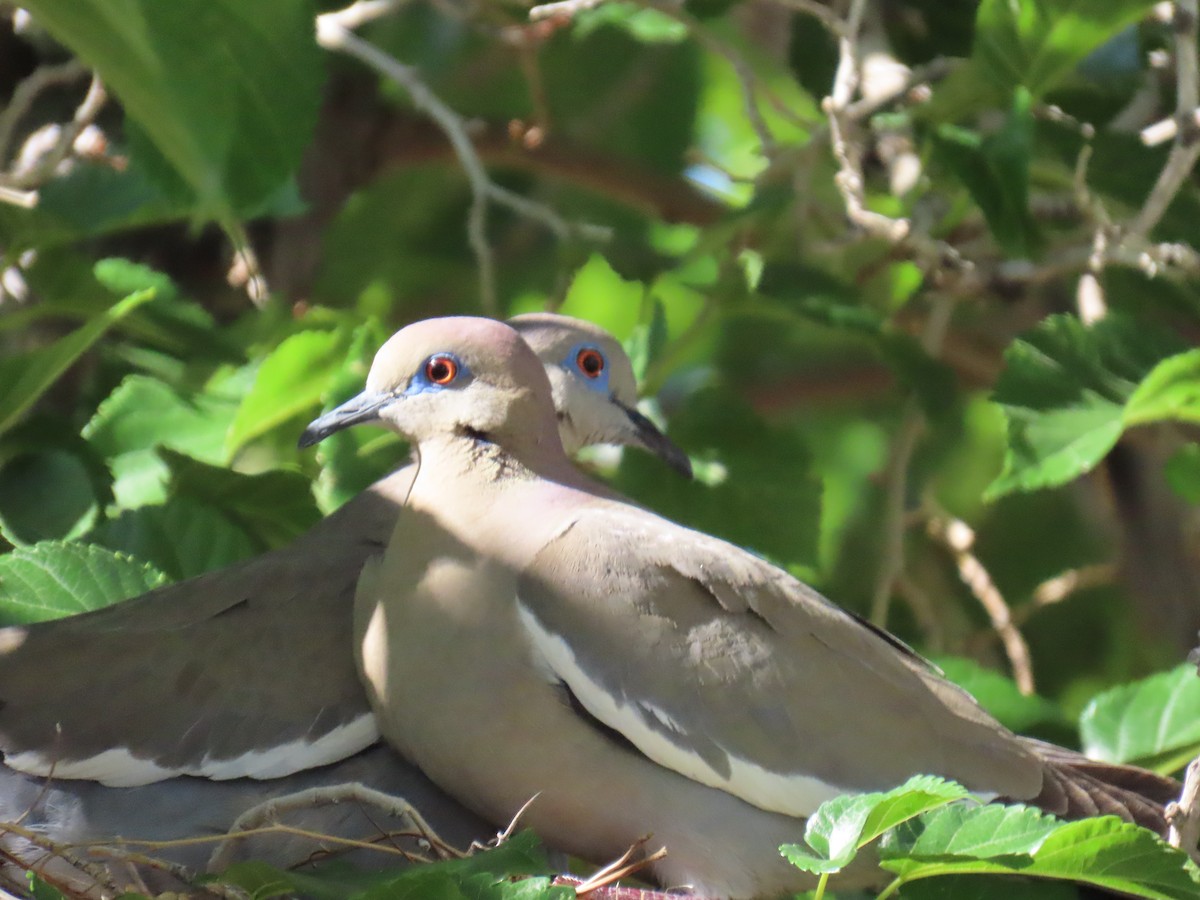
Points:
915	282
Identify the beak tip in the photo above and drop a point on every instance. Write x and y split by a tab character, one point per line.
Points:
683	465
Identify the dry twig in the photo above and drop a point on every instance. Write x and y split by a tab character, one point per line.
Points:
627	864
333	33
904	444
253	820
28	91
959	538
1183	815
1184	153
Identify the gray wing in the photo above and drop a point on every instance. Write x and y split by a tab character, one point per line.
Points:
728	670
247	671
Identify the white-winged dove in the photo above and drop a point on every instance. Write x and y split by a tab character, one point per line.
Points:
530	636
248	672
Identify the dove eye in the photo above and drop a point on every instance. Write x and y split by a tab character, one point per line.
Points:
590	362
441	369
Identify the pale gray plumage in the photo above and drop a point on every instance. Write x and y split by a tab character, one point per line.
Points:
248	671
529	634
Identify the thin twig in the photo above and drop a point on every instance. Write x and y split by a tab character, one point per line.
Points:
27	92
1183	815
333	34
750	86
920	77
98	873
1186	149
251	821
849	178
627	864
930	255
959	538
358	14
85	114
23	199
566	8
1060	587
904	444
891	551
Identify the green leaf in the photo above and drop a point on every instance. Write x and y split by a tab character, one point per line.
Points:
26	376
600	295
53	579
1037	44
273	507
1170	392
930	380
143	414
292	380
90	200
46	496
354	458
978	832
231	113
492	875
1064	389
978	887
995	170
1183	473
122	276
999	695
40	890
1103	852
843	825
649	26
746	487
1145	721
183	537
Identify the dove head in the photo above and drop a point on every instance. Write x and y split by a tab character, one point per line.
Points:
595	392
480	377
457	376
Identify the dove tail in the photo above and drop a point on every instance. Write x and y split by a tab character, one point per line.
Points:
1076	787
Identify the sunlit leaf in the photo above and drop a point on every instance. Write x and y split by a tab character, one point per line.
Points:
840	827
1146	720
999	695
1064	390
25	377
1102	852
230	113
143	414
290	381
53	579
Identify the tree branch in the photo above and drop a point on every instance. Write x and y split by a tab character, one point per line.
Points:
333	34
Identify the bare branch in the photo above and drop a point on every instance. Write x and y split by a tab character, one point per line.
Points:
1060	587
1183	815
332	34
750	85
1186	150
267	814
904	444
27	92
959	538
566	8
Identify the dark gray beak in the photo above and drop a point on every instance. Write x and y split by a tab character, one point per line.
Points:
363	408
649	437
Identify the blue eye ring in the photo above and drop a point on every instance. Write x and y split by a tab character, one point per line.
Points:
439	372
588	363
